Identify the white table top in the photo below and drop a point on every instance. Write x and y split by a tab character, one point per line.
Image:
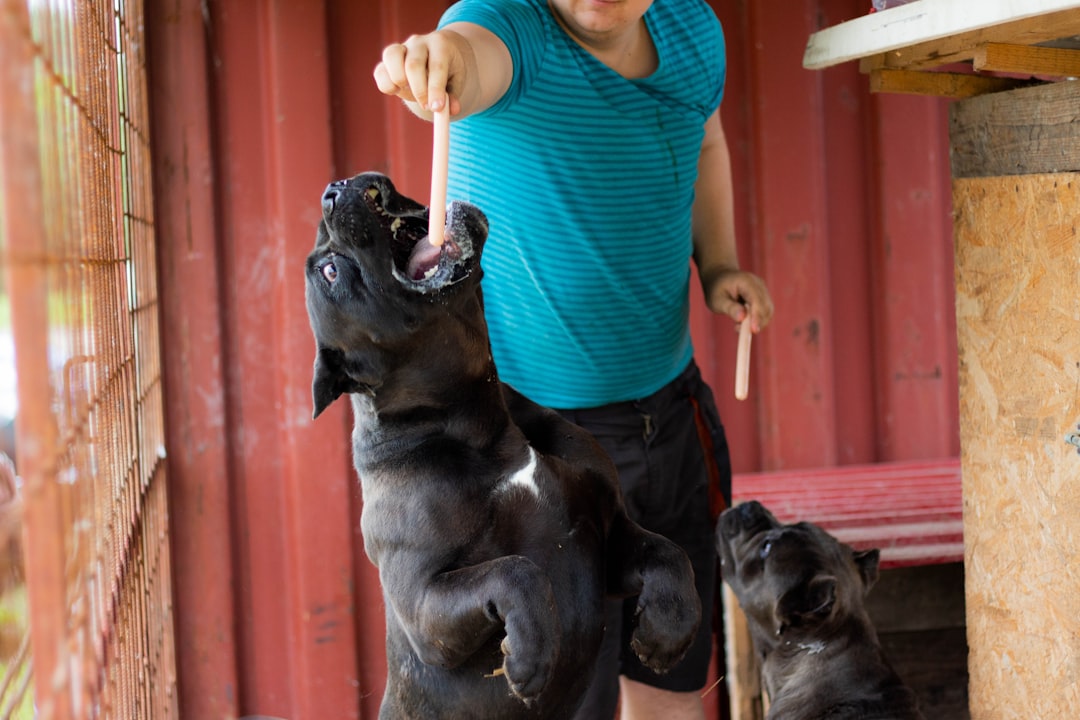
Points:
917	22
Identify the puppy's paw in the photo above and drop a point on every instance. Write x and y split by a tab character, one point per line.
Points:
528	669
667	617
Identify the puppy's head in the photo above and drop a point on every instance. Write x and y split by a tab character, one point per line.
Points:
793	579
375	286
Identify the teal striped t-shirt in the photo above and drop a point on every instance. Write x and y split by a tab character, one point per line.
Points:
587	180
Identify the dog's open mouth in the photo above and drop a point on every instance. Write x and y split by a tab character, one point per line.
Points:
416	262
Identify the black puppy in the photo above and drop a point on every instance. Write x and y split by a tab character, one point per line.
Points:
496	525
802	592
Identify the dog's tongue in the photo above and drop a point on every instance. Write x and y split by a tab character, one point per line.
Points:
424	259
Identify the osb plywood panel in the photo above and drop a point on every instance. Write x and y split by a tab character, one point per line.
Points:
1018	322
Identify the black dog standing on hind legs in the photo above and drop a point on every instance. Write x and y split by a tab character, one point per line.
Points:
802	592
496	525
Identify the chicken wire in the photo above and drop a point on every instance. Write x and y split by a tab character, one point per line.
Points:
78	247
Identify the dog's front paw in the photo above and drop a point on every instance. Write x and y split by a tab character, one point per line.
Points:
668	615
528	659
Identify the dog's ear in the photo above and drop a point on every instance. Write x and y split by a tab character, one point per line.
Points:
808	603
867	562
330	380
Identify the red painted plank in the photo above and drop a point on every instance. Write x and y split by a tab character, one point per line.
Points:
922	555
913	299
845	111
906	468
914	533
318	520
881	516
193	380
855	502
251	241
796	363
293	520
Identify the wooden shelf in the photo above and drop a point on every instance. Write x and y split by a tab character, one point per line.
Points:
940	31
1035	38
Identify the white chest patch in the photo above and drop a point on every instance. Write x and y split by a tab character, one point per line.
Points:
525	477
812	648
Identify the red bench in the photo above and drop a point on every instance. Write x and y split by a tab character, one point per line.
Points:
912	511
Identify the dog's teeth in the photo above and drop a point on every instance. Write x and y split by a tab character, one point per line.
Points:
373	193
431	271
395	225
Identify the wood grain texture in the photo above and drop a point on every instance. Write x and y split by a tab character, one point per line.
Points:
941	84
1032	60
743	671
962	46
1018	316
1025	131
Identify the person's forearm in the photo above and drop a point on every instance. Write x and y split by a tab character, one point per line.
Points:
728	289
715	251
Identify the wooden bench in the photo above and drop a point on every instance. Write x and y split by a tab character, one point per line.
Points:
911	511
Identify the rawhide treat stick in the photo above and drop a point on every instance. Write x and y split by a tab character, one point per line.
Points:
440	153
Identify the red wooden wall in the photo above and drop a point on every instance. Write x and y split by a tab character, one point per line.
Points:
843	207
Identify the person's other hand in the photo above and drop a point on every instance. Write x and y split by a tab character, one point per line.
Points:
733	292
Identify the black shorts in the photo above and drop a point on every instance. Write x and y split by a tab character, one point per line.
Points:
675	471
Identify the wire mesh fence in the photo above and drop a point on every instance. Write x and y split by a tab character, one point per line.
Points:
85	593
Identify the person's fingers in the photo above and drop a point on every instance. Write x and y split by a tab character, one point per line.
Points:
766	311
765	305
390	73
728	304
761	307
416	68
756	321
438	72
383	82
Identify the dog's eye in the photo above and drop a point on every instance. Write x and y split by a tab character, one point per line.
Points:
329	271
766	548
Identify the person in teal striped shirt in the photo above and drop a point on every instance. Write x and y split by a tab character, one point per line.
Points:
588	131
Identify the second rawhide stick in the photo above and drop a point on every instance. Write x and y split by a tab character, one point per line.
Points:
742	360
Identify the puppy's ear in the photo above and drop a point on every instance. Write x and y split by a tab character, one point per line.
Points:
330	380
806	604
867	563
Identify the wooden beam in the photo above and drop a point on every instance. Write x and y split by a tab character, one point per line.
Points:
962	47
955	85
1029	60
1026	131
743	672
941	28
